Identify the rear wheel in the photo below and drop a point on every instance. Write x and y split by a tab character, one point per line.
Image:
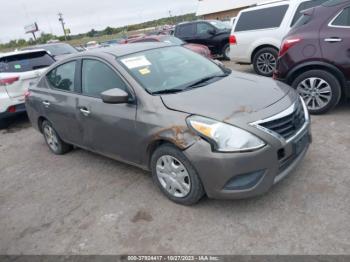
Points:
175	176
320	90
54	142
264	61
226	52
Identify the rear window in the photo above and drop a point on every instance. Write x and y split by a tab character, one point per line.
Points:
343	19
271	17
25	62
304	6
303	20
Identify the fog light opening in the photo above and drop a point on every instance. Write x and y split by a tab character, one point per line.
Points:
245	181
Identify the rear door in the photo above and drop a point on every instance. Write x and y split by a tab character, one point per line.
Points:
108	128
335	41
23	69
59	101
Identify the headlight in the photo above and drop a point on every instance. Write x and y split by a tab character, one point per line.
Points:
225	138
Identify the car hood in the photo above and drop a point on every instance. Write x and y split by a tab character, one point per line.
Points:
234	96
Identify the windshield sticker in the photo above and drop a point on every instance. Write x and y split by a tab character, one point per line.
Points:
18	66
145	71
135	62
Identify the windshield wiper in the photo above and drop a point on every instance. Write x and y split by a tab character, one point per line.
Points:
204	80
167	91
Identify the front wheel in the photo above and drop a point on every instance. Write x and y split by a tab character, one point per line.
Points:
175	176
265	60
320	90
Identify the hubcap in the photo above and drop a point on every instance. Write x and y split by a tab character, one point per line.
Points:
173	176
266	63
51	138
316	92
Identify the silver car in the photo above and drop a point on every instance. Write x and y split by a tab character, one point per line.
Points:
201	129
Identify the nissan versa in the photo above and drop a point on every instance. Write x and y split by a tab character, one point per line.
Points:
200	128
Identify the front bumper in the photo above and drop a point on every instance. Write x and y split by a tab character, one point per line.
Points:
218	170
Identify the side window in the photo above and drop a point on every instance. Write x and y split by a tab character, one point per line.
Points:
304	6
343	19
186	30
63	76
202	28
97	77
264	18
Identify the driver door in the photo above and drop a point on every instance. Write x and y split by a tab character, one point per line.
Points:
108	128
204	37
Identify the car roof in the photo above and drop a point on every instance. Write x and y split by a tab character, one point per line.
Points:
123	50
21	52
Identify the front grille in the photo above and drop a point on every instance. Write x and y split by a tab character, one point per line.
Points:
289	125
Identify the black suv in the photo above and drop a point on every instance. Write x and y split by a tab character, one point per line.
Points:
315	56
212	33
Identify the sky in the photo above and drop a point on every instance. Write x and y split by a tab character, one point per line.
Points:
83	15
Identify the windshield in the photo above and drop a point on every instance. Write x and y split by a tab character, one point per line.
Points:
220	25
169	69
60	49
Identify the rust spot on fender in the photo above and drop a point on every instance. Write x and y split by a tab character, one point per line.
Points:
181	136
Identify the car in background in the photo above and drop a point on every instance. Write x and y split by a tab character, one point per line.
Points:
112	42
18	70
199	128
57	50
92	45
200	49
212	33
80	48
315	56
258	32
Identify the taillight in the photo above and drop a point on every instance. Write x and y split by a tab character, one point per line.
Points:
8	80
287	44
11	109
233	40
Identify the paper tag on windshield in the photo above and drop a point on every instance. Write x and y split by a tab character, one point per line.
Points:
135	62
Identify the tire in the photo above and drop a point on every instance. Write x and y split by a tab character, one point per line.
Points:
226	52
264	61
190	194
330	95
55	143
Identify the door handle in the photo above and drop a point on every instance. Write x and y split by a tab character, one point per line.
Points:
84	111
333	40
46	103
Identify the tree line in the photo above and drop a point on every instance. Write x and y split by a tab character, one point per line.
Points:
45	37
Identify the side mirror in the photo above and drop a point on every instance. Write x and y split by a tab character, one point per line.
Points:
212	31
115	96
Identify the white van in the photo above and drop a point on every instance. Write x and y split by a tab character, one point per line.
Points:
258	31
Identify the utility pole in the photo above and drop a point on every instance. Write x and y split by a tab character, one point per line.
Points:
60	15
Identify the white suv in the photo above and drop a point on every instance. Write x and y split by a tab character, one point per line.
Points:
258	32
17	71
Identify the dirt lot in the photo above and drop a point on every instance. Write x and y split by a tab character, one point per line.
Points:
82	203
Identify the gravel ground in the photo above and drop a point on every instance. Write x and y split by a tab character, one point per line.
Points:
82	203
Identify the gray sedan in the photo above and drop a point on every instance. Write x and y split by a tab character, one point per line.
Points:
201	129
